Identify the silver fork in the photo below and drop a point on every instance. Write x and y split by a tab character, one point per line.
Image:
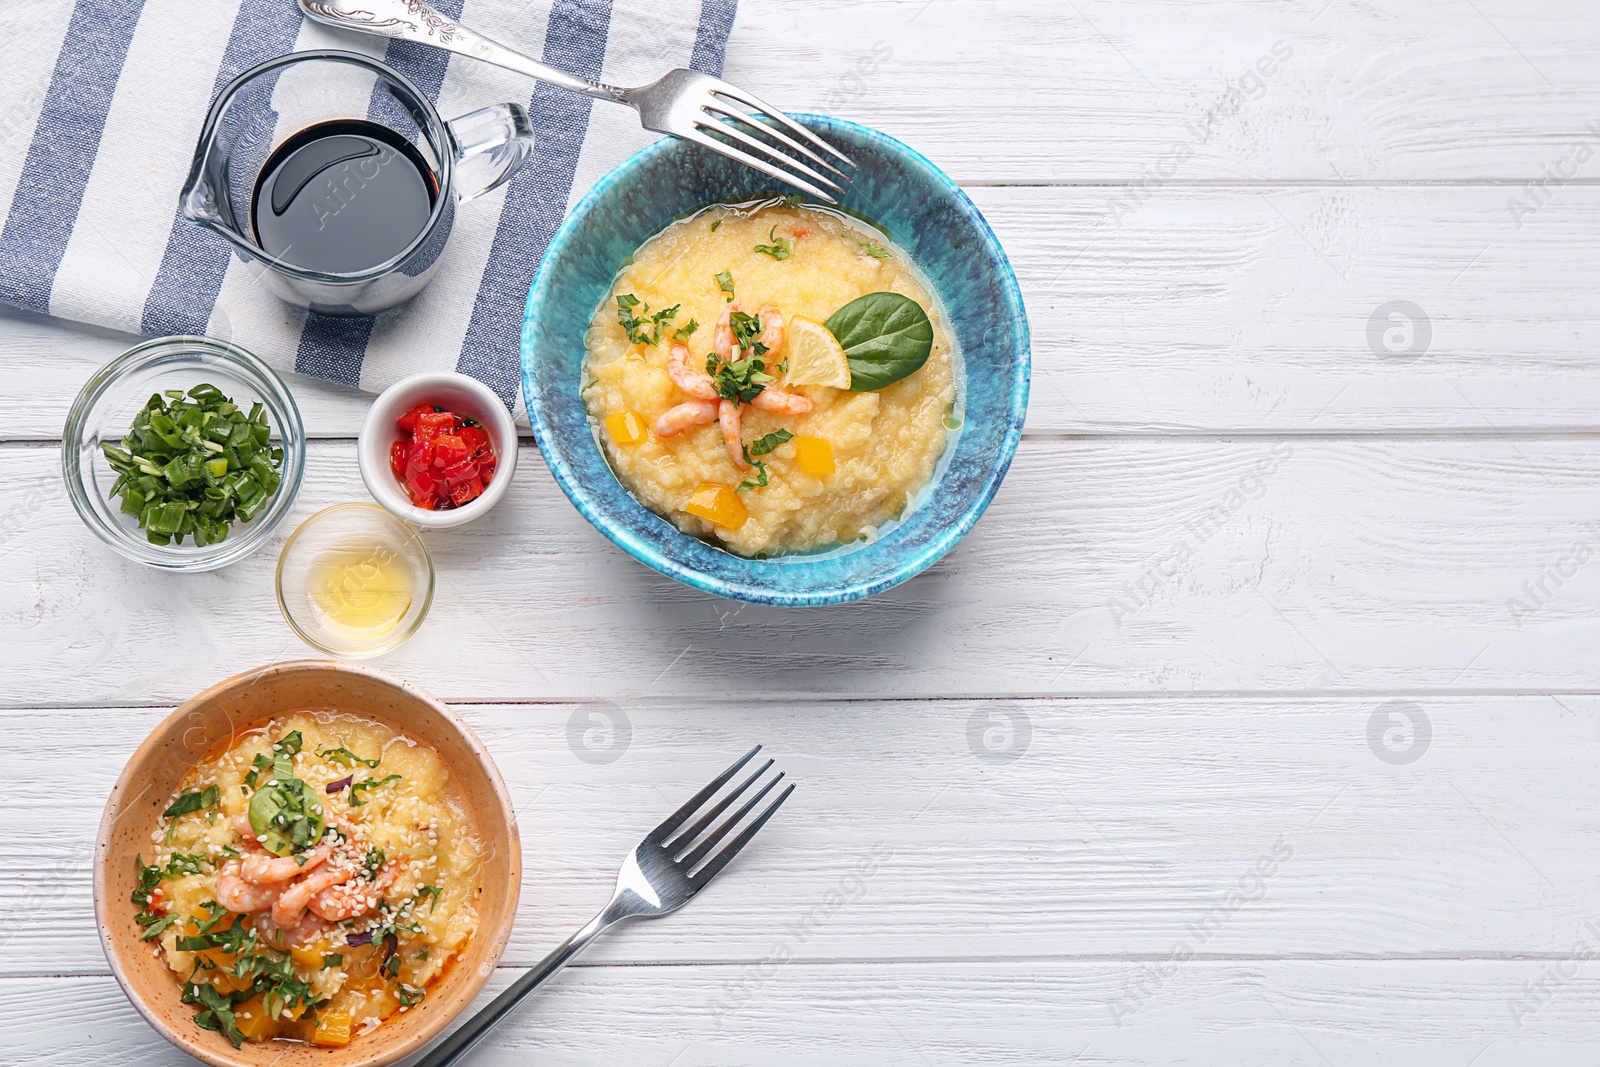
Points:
684	103
658	877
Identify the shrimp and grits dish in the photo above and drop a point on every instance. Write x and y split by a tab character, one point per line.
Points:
771	377
310	880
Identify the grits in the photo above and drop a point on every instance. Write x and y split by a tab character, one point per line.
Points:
396	839
885	443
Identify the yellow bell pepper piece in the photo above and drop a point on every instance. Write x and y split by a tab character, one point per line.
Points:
717	504
333	1028
815	455
307	956
626	427
251	1019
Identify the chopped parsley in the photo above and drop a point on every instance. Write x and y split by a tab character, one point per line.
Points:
874	249
740	381
780	248
345	758
725	283
642	327
762	445
367	784
192	801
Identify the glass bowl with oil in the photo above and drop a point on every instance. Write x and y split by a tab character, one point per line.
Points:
355	581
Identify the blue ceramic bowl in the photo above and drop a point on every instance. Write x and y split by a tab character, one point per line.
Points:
926	214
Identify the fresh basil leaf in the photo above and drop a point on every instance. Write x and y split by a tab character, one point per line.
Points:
725	283
358	788
885	336
780	248
345	758
333	959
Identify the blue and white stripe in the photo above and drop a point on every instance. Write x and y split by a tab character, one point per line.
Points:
110	117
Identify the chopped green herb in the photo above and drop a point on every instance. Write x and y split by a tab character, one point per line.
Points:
740	381
286	815
357	788
421	955
780	248
192	465
290	742
758	482
715	224
409	998
345	758
725	283
642	330
218	1010
684	331
762	445
333	959
391	967
374	859
874	249
433	892
793	200
192	801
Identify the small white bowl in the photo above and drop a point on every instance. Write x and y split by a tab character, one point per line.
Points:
460	393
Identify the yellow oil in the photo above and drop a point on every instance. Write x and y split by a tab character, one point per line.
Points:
365	591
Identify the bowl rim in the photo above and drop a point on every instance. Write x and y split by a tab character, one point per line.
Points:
205	1051
371	458
404	531
938	545
291	434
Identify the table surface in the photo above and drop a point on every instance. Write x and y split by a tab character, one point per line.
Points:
1246	728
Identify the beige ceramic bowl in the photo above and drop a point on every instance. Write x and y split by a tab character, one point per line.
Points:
205	725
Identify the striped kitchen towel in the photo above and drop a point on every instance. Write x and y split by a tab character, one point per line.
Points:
101	103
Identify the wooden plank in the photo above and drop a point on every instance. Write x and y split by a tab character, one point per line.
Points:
1075	829
1437	1013
1104	567
1092	91
1205	310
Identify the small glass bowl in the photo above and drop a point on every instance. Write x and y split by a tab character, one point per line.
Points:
347	556
104	412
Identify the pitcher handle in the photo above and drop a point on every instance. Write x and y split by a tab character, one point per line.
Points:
490	146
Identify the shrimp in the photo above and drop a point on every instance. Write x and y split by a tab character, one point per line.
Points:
238	895
728	417
350	899
277	937
242	827
263	868
697	383
290	907
685	416
781	403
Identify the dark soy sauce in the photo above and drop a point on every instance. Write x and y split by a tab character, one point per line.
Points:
340	197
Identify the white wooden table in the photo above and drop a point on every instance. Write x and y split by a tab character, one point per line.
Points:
1249	727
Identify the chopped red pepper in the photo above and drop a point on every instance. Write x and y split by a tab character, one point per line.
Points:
443	459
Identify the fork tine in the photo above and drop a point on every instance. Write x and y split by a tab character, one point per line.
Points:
679	817
730	130
703	849
705	140
720	860
733	111
733	92
680	840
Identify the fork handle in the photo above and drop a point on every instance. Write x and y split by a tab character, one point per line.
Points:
414	20
458	1044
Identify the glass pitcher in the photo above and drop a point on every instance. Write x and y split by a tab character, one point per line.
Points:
266	106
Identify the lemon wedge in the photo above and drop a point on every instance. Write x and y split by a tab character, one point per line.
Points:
814	356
